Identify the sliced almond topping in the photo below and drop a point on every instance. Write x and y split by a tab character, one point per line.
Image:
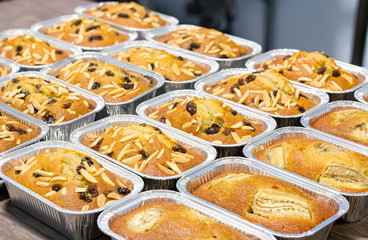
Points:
101	200
161	153
180	160
217	142
237	125
129	137
44	173
347	78
85	208
307	68
228	96
187	124
50	193
99	171
304	79
123	151
173	166
179	154
80	190
165	170
175	69
236	137
107	179
120	183
132	160
244	97
88	176
59	178
60	120
42	184
113	196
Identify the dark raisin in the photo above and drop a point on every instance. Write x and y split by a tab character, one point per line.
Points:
123	190
92	28
91	64
324	54
127	86
128	59
11	127
180	58
1	114
52	100
143	124
193	46
38	86
126	79
301	95
280	104
103	9
82	195
79	168
88	160
233	112
301	109
15	80
152	66
179	148
290	69
281	72
265	67
336	73
88	200
77	31
197	74
162	119
232	89
355	76
59	52
144	154
96	85
17	171
248	124
157	129
224	56
110	154
133	9
227	132
145	16
287	57
77	23
19	48
275	93
67	105
123	15
56	187
250	78
90	106
36	175
92	190
213	129
96	37
321	70
116	33
109	73
49	119
191	108
21	131
91	69
107	192
175	104
241	81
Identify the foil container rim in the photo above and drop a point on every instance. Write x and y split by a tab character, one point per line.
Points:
277	52
360	93
31	149
10	63
183	199
107	59
44	128
81	9
76	134
213	65
260	166
53	21
256	48
247	150
100	103
269	121
322	96
52	41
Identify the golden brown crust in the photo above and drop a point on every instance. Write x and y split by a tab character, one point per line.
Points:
334	166
4	70
209	42
108	81
166	220
45	100
314	69
86	32
127	14
208	119
269	92
146	149
271	202
28	50
172	67
14	133
349	123
70	179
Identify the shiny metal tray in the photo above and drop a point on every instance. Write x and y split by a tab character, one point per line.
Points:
122	107
169	85
334	95
361	93
268	123
61	131
82	135
224	63
107	217
188	183
315	95
357	201
7	62
72	224
51	22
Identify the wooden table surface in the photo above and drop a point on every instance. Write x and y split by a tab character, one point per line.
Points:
16	224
